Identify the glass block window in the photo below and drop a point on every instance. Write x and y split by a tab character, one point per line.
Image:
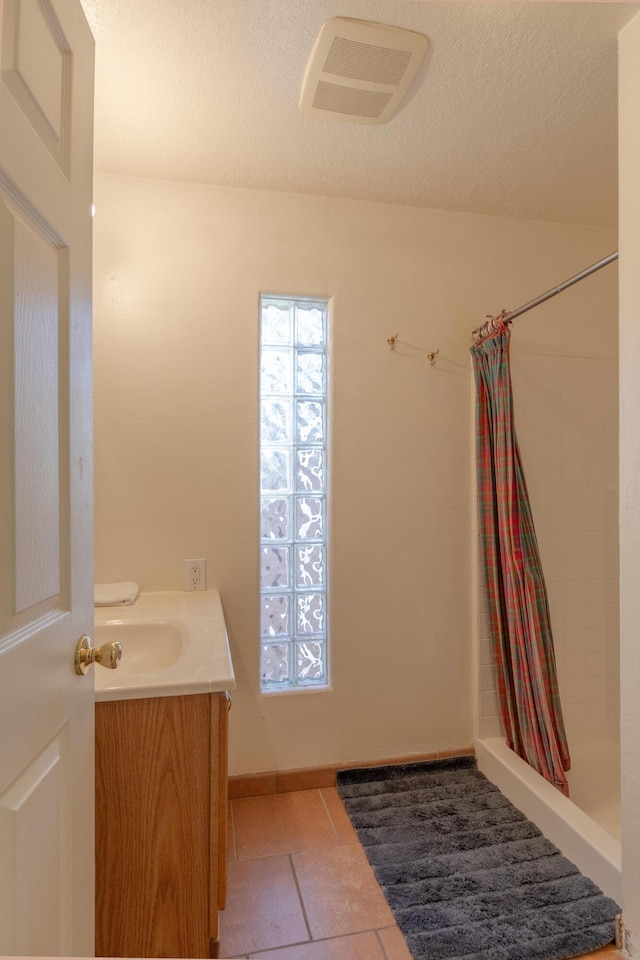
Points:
293	493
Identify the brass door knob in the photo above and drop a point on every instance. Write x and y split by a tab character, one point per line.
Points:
108	655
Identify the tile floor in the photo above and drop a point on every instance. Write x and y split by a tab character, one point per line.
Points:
300	886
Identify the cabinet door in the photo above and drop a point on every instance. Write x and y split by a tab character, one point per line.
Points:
153	760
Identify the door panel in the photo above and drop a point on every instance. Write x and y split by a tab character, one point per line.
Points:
34	830
46	569
36	69
36	418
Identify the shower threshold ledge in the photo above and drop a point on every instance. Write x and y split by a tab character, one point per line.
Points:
594	851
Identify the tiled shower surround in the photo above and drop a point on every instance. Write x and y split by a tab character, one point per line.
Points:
566	411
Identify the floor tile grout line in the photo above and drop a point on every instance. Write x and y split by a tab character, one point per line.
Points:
286	946
379	938
328	812
284	853
300	897
305	943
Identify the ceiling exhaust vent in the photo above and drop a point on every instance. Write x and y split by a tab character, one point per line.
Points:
359	71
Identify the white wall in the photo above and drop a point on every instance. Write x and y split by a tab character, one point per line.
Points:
629	154
178	270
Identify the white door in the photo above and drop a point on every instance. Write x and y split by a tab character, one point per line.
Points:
46	568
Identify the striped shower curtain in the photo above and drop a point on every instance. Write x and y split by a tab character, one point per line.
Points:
516	592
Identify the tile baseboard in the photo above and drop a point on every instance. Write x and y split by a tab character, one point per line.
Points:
315	778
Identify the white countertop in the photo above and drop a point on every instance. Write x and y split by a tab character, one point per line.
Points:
203	665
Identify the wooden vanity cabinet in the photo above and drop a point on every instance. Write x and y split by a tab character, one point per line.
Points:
161	820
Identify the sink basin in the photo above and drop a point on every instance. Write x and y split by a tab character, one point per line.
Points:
145	644
173	644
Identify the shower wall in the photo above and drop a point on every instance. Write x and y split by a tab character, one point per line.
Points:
567	422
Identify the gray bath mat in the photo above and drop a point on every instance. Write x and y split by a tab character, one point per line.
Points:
465	873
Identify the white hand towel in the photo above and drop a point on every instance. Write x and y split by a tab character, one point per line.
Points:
115	594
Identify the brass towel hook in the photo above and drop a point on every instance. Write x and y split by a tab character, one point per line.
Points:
431	357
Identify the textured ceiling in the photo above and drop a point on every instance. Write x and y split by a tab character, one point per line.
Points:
514	112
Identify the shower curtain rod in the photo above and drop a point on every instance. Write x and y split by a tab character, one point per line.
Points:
511	315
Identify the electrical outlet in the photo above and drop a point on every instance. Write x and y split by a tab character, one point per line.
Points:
195	574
